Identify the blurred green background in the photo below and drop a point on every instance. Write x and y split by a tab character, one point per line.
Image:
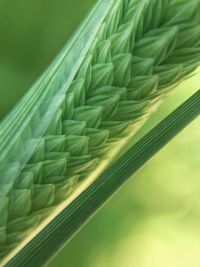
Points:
154	220
31	34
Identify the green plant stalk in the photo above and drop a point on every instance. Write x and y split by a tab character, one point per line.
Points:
63	227
141	50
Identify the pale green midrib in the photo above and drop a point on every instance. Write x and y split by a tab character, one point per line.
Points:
49	189
17	121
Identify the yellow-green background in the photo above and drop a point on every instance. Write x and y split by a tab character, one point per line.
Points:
154	220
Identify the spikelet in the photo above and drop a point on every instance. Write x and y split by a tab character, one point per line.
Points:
142	50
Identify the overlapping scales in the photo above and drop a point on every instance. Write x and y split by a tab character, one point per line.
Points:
143	49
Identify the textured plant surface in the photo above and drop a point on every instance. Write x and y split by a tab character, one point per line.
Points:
143	49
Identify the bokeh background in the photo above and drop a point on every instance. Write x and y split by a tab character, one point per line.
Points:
154	220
